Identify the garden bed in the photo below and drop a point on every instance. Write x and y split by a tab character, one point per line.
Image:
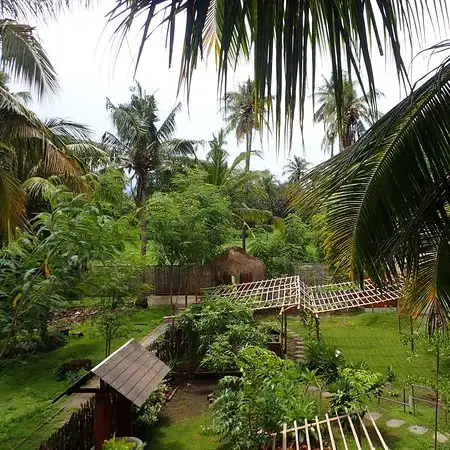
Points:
184	420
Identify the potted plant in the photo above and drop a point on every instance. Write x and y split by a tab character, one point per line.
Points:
123	443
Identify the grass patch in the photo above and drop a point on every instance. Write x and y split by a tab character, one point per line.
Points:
186	434
29	385
373	338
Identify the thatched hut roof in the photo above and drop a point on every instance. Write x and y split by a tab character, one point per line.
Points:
234	261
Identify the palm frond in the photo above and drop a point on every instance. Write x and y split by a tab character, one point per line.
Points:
284	39
24	58
67	129
388	196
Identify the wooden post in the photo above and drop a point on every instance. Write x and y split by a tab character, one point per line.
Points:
317	323
413	400
285	333
398	318
404	399
102	419
412	333
123	409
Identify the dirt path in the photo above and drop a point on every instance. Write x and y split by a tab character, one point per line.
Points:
190	400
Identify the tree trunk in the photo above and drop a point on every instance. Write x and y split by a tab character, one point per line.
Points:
248	139
244	235
171	289
141	197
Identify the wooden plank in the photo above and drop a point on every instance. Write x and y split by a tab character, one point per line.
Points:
114	358
284	436
143	392
319	433
342	433
379	434
121	374
297	444
330	432
308	442
366	433
358	445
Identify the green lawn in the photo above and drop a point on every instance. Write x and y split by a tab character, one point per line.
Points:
186	434
373	338
28	385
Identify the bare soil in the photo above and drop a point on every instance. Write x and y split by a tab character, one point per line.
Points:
190	400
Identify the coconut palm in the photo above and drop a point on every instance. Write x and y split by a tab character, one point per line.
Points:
296	169
355	114
388	199
282	40
236	183
244	115
143	144
35	154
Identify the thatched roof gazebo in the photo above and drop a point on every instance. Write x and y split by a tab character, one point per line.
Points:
234	264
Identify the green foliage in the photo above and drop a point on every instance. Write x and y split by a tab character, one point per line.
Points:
48	264
292	244
217	329
121	444
247	410
391	376
190	225
355	388
325	360
148	413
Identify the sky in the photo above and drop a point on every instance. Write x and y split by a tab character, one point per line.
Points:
80	49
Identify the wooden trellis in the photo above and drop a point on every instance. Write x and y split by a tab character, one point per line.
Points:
289	292
340	296
274	293
325	430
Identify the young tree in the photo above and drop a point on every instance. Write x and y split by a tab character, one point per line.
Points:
190	225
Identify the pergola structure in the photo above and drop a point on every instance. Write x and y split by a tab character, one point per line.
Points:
290	292
331	430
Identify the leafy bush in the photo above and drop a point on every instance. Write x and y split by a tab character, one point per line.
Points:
217	329
121	444
325	360
148	413
291	244
247	410
355	388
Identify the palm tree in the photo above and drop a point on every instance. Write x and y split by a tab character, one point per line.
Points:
236	183
296	169
33	155
244	115
282	40
143	144
388	199
350	123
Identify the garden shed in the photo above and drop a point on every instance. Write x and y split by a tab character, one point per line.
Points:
127	377
235	265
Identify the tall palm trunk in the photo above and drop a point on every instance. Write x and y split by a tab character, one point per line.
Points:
141	198
248	144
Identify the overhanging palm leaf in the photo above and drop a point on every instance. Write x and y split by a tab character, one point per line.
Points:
388	198
284	38
24	58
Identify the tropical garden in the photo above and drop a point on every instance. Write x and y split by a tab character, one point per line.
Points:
84	218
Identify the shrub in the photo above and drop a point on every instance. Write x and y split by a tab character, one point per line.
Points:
216	330
148	413
355	388
325	360
247	410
